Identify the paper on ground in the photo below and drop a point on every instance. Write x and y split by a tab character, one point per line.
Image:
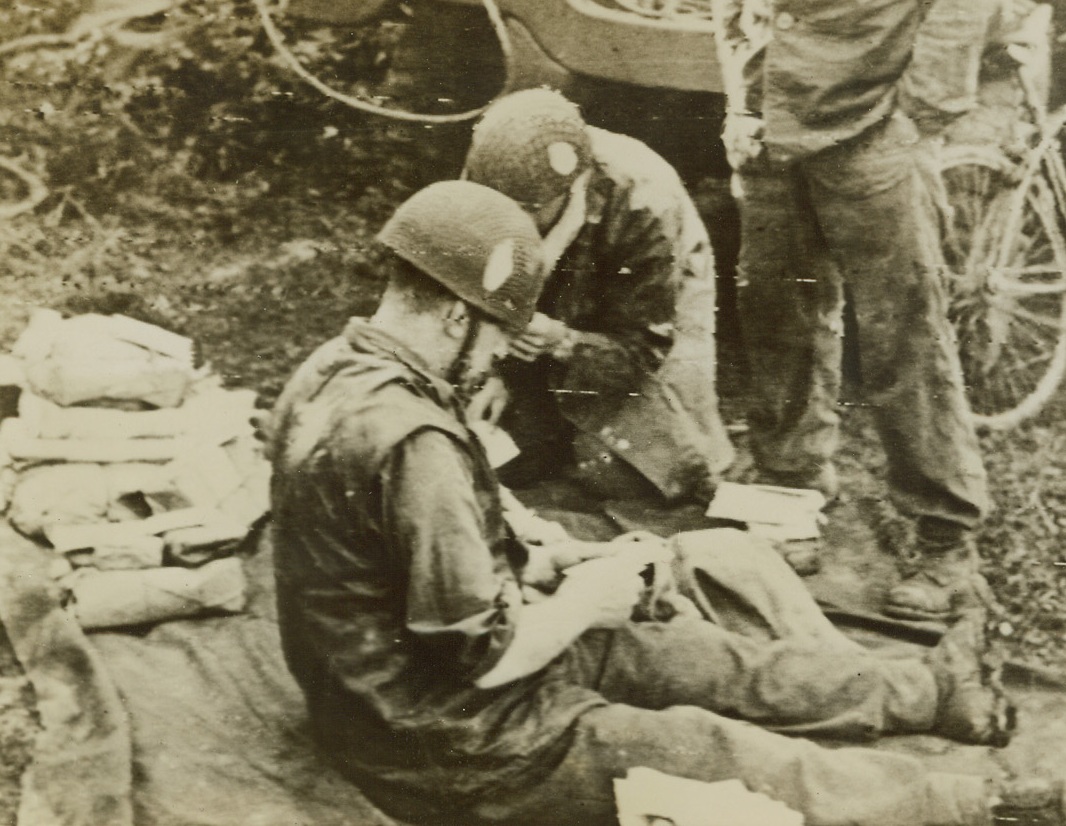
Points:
789	532
646	796
775	512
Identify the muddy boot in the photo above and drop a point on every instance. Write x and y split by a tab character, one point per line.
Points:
1031	802
971	706
943	584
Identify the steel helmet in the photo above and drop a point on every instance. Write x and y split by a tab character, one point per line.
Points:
530	145
476	242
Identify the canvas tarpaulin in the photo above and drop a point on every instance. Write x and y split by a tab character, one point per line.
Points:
198	722
190	723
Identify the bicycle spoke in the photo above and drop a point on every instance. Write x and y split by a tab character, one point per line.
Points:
1002	392
1051	323
963	282
1005	368
1009	375
1014	287
996	384
970	190
1031	269
1037	358
1006	278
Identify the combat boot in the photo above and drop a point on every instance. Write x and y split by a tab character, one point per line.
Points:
971	704
942	585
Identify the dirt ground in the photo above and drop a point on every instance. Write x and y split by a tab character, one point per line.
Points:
262	260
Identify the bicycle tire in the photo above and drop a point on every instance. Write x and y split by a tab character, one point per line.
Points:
1005	278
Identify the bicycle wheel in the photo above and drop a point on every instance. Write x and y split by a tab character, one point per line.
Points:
1005	274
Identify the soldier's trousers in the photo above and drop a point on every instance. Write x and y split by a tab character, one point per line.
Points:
713	700
858	215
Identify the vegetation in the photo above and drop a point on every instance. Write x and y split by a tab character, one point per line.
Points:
195	183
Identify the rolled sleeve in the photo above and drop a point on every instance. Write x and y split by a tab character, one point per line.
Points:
742	31
462	600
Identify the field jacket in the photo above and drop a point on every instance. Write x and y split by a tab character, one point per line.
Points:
398	582
820	72
637	281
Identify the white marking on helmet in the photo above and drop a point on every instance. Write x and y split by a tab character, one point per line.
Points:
499	266
562	157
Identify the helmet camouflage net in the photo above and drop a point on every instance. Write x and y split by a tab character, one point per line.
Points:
530	145
476	242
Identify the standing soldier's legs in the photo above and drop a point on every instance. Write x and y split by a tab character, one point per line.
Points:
790	301
868	201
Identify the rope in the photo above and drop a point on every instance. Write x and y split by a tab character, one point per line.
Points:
278	41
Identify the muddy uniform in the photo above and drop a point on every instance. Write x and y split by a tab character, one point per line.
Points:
831	195
636	278
398	586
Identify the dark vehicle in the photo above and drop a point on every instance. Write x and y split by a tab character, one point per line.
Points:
647	68
658	45
651	43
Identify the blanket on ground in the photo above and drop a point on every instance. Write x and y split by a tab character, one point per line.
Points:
190	723
198	722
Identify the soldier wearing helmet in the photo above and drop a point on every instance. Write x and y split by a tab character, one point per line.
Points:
832	174
435	681
613	381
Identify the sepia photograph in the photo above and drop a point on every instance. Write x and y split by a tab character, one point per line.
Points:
533	412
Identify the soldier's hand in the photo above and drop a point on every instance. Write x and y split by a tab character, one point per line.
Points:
742	135
489	402
543	335
260	420
540	571
550	560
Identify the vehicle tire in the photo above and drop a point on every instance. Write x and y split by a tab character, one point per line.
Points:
1005	276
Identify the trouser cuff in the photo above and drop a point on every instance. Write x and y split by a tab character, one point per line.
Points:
936	535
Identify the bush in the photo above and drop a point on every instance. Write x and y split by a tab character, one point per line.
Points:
193	94
196	183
